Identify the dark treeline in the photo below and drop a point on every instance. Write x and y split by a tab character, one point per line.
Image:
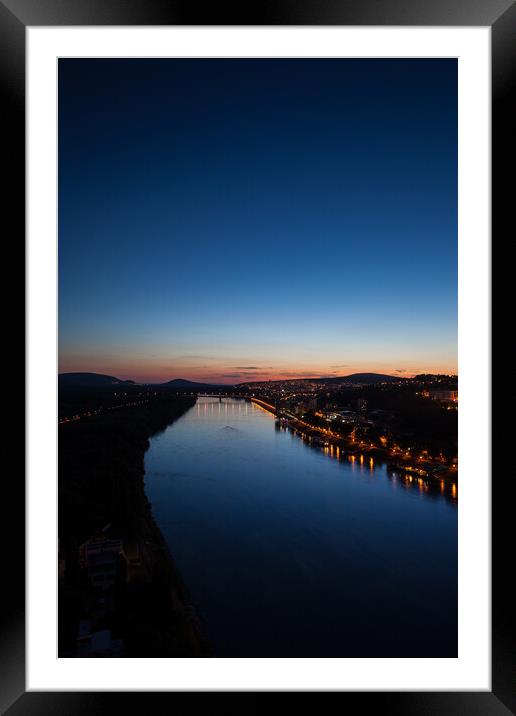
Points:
101	482
77	400
101	462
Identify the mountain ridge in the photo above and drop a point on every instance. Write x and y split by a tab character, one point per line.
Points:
88	379
353	378
184	383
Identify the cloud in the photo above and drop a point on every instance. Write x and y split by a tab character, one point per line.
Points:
291	374
246	367
400	370
245	374
341	365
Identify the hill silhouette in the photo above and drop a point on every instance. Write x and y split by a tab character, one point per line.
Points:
191	384
364	378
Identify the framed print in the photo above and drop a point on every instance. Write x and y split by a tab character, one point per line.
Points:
258	251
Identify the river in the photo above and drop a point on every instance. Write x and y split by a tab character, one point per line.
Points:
292	551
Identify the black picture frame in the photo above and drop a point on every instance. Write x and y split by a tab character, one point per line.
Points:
500	15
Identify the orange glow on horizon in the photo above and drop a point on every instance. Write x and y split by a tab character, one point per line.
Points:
221	373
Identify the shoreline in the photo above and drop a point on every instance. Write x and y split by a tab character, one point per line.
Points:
391	460
143	602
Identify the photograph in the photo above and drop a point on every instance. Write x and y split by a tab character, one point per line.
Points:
257	378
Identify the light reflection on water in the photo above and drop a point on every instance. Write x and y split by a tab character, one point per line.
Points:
428	485
294	550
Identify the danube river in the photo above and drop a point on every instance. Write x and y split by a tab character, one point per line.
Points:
294	551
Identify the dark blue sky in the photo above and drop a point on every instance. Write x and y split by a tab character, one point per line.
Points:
237	219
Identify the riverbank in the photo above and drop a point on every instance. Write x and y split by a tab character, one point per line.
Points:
401	461
120	593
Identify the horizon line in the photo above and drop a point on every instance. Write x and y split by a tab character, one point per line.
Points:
401	376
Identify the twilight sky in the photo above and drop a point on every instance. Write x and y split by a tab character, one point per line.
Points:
233	220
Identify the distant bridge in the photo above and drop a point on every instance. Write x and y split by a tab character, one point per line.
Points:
267	406
222	395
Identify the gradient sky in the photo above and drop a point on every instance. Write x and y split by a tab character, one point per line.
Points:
233	220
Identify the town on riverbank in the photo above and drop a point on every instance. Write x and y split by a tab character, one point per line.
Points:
408	423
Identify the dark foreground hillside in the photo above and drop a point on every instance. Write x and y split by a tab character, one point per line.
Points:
119	591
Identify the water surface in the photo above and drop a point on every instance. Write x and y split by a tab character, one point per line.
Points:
292	551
